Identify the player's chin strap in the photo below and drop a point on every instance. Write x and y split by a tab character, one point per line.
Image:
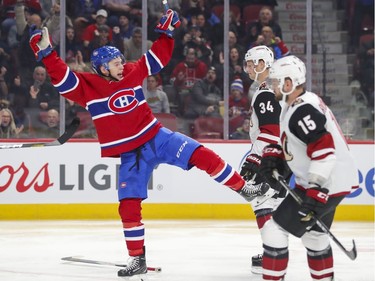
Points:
352	254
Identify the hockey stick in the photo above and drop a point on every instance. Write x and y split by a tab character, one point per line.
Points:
76	259
72	128
352	254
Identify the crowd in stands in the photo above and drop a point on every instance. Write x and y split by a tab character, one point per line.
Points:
194	76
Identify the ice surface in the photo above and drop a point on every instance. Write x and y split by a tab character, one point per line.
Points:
187	250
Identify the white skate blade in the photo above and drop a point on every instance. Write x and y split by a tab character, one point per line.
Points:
138	277
256	270
263	198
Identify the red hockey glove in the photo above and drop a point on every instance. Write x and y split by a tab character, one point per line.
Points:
40	42
250	167
315	199
168	23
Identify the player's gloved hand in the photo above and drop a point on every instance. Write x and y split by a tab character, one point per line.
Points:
250	167
273	159
40	42
168	23
315	200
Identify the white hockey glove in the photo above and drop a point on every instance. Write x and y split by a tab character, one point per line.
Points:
40	42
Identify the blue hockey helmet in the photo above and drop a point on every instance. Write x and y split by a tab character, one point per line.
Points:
103	55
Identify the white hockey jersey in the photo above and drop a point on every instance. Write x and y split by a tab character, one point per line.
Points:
264	121
314	146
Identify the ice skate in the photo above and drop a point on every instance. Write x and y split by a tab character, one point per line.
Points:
136	266
249	191
256	264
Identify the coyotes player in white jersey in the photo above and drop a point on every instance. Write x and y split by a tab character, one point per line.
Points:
317	153
264	130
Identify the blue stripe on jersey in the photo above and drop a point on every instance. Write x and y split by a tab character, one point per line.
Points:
153	63
224	174
134	233
99	107
131	138
68	84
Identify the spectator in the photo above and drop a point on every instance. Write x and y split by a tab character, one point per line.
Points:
235	67
156	99
101	38
84	13
124	28
48	127
3	84
206	97
238	102
42	95
52	22
242	132
233	42
119	7
8	128
5	53
71	45
25	56
92	30
78	64
255	28
185	74
194	39
205	27
366	69
362	8
133	46
268	38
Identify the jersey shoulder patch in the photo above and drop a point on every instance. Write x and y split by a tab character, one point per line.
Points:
263	87
297	101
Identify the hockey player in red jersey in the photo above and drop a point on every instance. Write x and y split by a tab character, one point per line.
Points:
319	157
264	130
127	128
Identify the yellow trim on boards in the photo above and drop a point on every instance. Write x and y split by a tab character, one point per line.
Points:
158	211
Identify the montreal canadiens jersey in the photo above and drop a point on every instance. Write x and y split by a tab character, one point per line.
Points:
264	121
314	146
121	115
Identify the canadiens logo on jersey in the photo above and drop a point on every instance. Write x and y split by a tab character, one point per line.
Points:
284	142
123	101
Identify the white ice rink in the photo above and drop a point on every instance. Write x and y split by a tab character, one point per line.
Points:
192	250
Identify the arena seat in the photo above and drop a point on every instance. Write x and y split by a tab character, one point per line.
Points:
168	120
208	127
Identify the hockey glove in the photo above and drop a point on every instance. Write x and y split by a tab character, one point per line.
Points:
315	199
40	42
273	159
250	167
168	23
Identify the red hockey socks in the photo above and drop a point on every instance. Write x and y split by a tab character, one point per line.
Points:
207	160
134	231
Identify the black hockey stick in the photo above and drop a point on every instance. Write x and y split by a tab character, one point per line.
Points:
76	259
72	128
352	254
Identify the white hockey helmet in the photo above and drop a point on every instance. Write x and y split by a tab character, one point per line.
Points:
260	53
288	67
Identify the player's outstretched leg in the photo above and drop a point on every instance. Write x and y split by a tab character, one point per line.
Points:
137	265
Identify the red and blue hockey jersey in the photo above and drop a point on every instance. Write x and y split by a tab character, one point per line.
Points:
121	115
